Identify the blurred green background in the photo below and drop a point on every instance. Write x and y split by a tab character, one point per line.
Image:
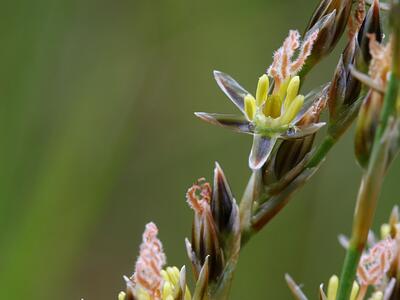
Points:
98	137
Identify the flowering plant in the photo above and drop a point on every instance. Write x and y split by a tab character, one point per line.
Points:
284	156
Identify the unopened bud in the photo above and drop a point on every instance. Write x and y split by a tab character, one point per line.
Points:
370	25
223	205
344	92
367	123
334	14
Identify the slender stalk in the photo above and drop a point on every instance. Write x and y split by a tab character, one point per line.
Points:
321	152
369	193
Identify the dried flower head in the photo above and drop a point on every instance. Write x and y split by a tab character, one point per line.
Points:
376	263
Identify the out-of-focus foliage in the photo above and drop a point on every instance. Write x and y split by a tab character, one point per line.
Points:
98	138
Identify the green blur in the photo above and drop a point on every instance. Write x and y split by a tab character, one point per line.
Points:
98	137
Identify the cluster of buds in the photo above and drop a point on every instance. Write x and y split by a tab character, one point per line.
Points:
346	91
276	109
335	15
216	226
150	281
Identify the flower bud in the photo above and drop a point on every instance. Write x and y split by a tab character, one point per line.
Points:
367	124
223	206
370	25
334	14
205	242
344	92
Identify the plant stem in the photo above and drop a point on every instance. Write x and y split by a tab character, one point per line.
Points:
368	194
321	152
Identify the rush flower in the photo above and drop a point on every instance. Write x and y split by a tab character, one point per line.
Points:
150	281
273	113
216	228
376	263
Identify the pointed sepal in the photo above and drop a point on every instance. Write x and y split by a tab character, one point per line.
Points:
233	122
260	151
235	92
201	289
294	288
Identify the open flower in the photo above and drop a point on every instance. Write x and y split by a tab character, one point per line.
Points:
273	113
150	281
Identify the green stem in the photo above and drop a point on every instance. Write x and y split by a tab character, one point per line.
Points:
321	152
368	194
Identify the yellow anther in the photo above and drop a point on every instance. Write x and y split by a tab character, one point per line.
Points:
283	88
267	106
276	105
292	91
267	110
354	291
171	286
292	111
385	231
167	290
121	296
377	296
333	287
250	107
262	89
141	294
